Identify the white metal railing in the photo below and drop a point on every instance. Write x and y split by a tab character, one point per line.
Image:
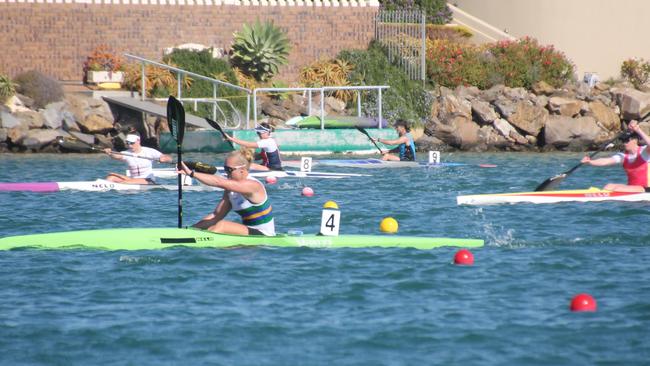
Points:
180	74
322	90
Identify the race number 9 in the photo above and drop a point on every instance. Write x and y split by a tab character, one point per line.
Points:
329	222
305	164
434	157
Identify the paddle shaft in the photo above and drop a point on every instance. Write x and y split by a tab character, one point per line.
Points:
216	126
363	131
176	121
553	182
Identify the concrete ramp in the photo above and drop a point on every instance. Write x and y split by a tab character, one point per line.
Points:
483	32
154	109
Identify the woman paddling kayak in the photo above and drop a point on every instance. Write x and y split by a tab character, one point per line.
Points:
634	159
270	154
406	149
242	193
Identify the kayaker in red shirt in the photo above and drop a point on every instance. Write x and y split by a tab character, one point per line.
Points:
635	160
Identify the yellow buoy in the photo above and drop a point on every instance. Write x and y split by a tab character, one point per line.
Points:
388	225
331	204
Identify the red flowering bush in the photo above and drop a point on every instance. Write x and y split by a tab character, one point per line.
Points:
519	63
636	71
524	62
452	64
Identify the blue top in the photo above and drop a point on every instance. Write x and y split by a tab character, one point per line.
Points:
407	152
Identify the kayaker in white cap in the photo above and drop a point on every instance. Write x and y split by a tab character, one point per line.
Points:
141	170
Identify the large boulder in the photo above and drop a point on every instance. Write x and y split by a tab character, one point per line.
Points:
452	106
564	106
515	94
270	108
604	115
7	120
334	104
505	107
508	132
17	134
483	112
3	134
36	139
634	104
53	115
543	88
573	133
493	93
529	118
95	124
31	119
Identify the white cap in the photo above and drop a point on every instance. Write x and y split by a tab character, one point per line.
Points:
132	138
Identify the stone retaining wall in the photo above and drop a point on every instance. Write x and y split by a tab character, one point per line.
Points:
56	36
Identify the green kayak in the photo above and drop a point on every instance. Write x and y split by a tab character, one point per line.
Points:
335	122
160	238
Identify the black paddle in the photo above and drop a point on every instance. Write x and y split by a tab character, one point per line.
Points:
198	166
552	182
216	126
363	131
176	121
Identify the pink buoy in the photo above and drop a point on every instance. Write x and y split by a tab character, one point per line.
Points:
271	180
307	192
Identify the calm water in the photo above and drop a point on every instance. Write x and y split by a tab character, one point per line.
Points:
301	306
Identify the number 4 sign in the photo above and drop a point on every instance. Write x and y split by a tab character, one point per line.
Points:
329	223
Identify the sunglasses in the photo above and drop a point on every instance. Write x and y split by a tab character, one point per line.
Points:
130	143
230	169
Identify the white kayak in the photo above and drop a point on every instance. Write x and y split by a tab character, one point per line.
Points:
579	195
99	185
171	173
372	163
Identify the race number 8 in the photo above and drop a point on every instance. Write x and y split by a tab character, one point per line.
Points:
329	223
305	164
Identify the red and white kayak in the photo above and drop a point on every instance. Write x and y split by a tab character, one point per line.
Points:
99	185
579	195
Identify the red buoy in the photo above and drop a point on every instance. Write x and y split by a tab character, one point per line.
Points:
464	257
583	302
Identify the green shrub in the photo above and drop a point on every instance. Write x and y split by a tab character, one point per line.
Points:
636	71
41	88
7	88
202	63
524	62
406	99
259	50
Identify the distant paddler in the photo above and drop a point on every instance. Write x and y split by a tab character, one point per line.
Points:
270	153
634	159
139	160
406	147
242	193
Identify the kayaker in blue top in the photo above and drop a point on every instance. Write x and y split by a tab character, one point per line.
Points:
406	147
270	153
242	193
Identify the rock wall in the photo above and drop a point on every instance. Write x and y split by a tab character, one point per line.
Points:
574	118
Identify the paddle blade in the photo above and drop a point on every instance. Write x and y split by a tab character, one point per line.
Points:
216	126
176	119
201	167
551	183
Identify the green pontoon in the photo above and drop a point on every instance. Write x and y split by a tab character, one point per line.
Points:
161	238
